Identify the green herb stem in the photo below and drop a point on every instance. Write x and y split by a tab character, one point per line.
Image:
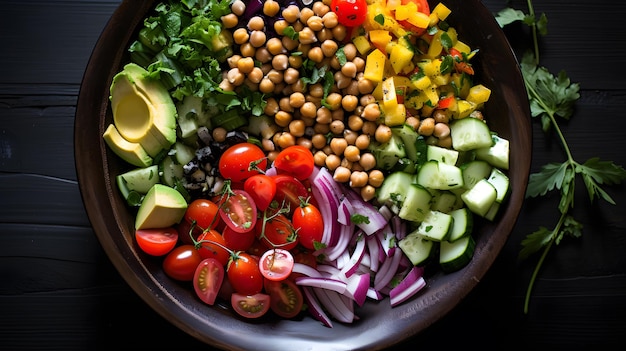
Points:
531	12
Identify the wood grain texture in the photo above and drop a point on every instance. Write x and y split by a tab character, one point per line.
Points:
59	290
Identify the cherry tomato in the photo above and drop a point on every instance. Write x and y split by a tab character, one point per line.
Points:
156	242
309	224
238	241
262	189
186	233
295	160
276	264
181	262
242	160
289	190
207	280
203	212
286	298
250	306
257	248
210	241
422	6
277	232
244	274
239	211
350	13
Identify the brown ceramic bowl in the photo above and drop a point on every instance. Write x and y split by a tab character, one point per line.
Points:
379	326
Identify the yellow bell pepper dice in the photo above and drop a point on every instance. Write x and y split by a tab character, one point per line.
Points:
375	66
390	98
478	94
403	12
395	116
442	11
400	57
380	37
419	19
362	44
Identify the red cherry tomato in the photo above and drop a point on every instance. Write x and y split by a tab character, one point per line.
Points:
238	241
289	190
277	232
309	224
295	160
242	160
244	274
262	189
250	306
156	242
286	298
187	232
210	241
203	212
239	211
207	280
350	13
181	262
276	264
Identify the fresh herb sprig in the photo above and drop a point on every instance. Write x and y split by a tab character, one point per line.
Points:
553	97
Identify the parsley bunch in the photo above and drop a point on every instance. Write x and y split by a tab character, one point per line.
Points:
551	97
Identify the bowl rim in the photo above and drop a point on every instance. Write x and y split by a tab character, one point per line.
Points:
93	158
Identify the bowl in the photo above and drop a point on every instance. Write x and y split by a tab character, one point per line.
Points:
379	326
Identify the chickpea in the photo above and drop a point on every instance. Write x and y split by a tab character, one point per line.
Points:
238	7
291	13
247	50
365	86
368	192
341	174
350	136
369	128
355	122
285	140
319	141
292	76
320	9
316	90
330	20
307	36
283	118
332	162
349	102
349	69
271	8
352	153
338	145
362	142
441	130
329	47
308	109
367	99
371	112
315	23
271	156
367	161
412	121
358	179
445	142
255	75
280	25
256	23
285	104
346	163
275	76
245	65
321	128
352	89
235	77
271	107
441	116
266	86
359	62
274	46
319	157
240	36
337	127
295	61
289	44
296	100
219	134
263	55
333	100
341	81
383	133
376	178
305	14
324	34
427	126
230	20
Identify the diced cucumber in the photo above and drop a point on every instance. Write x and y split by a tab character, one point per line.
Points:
456	255
140	179
470	133
442	154
409	136
387	154
436	226
183	152
406	165
132	197
480	197
416	204
493	211
417	248
501	182
444	201
463	224
394	187
190	116
474	171
497	153
439	175
171	171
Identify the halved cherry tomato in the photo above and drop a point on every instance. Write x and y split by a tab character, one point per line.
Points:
250	306
239	211
277	232
203	212
286	298
309	224
289	190
244	274
238	241
242	160
210	241
295	160
207	280
276	264
350	13
181	262
156	242
262	189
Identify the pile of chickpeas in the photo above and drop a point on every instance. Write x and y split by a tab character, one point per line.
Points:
338	132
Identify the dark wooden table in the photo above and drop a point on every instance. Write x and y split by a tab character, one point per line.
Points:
58	289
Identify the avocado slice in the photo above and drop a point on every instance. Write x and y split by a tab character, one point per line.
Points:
143	110
162	207
130	152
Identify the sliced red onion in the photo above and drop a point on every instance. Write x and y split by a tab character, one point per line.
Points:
374	249
315	308
322	283
375	220
387	240
387	270
342	243
374	294
357	287
355	259
403	292
334	304
345	211
305	270
329	271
